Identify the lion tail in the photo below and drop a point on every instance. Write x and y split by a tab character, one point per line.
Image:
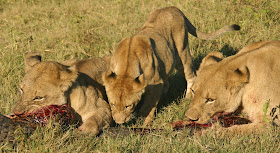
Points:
209	36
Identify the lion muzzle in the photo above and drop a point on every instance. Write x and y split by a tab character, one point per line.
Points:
121	118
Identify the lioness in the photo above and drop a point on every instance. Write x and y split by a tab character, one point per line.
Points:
142	63
244	82
77	83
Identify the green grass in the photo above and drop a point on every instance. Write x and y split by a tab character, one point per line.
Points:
68	29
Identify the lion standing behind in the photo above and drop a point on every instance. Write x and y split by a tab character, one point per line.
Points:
142	64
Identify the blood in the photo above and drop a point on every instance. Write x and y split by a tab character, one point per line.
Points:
63	114
225	121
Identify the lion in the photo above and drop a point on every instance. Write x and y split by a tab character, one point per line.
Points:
243	83
142	64
77	83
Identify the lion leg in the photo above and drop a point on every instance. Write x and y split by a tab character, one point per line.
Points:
247	128
90	126
186	64
98	119
150	101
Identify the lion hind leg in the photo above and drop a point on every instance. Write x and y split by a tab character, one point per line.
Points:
185	66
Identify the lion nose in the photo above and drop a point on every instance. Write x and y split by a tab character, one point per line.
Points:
194	120
119	118
192	115
18	111
187	118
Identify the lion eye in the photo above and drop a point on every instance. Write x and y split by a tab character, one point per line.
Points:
128	106
38	98
112	75
209	101
192	91
20	90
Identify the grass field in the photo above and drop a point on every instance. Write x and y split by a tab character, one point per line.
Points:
68	29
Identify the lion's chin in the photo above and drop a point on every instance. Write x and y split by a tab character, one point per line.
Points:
119	122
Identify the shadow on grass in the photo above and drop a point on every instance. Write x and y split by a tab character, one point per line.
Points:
228	50
177	87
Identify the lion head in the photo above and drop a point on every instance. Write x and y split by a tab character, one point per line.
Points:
124	93
124	82
44	83
216	89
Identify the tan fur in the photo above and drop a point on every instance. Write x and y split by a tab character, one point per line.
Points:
77	83
243	82
142	63
253	46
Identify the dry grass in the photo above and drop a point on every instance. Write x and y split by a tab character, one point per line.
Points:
67	29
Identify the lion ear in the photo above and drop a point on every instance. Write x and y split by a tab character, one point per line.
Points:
31	59
144	52
211	58
237	79
108	77
68	76
139	82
